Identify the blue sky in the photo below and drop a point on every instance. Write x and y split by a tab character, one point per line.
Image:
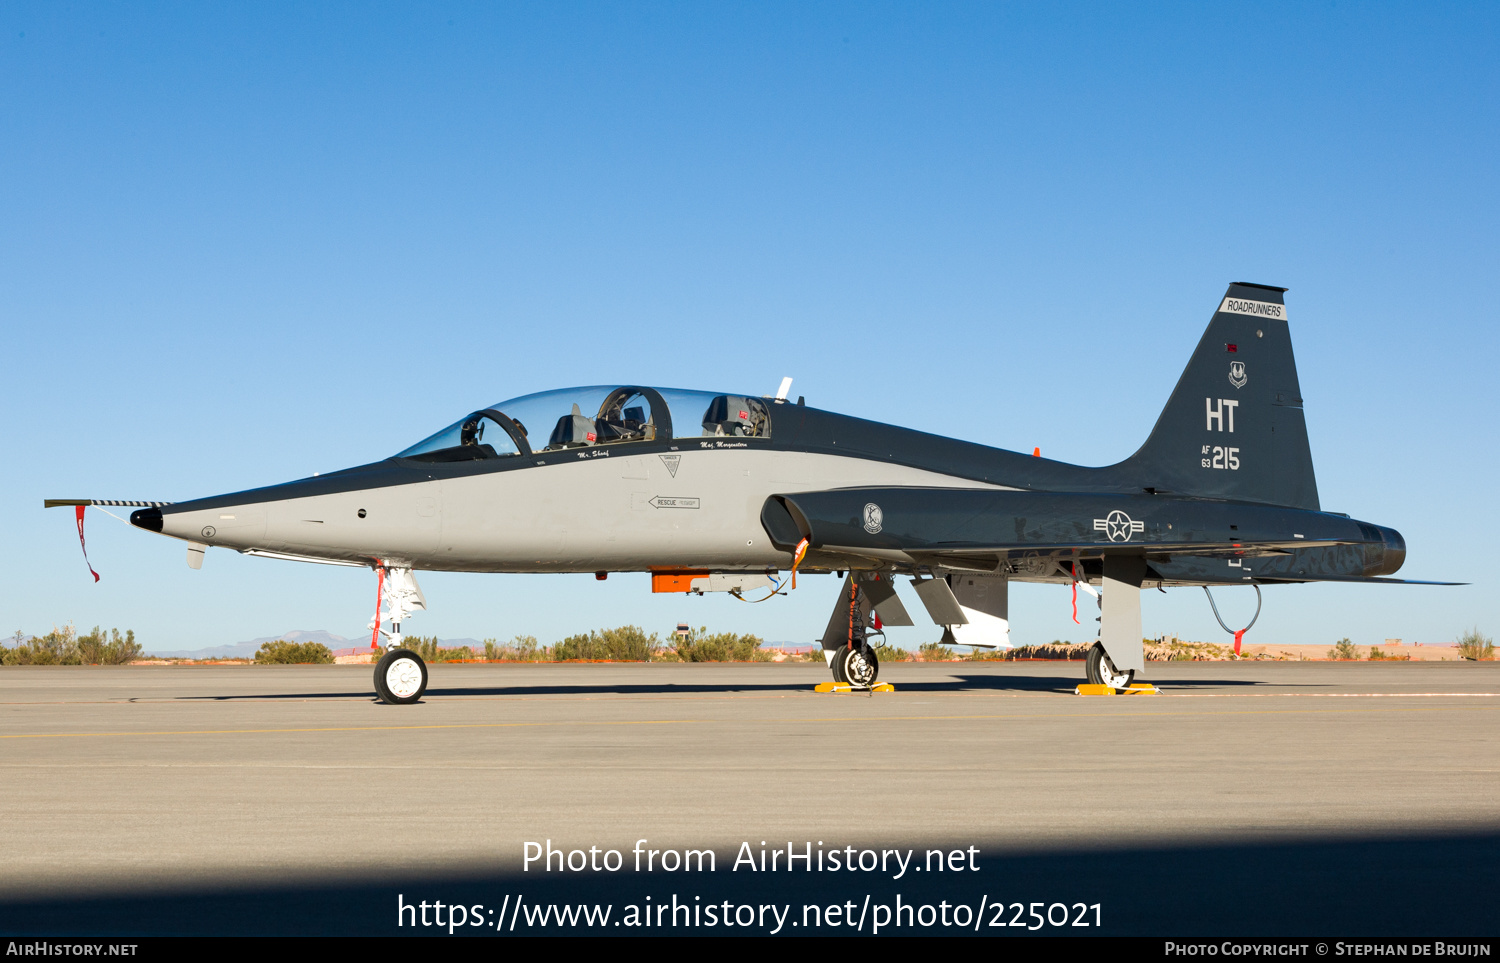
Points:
243	243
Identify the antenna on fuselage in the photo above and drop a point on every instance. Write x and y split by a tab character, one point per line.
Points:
786	386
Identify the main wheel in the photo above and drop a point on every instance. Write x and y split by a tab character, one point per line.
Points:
858	666
1101	671
400	677
836	665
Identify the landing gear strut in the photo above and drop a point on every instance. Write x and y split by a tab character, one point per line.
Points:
854	662
401	675
1119	654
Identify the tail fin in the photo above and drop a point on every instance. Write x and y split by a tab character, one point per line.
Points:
1234	427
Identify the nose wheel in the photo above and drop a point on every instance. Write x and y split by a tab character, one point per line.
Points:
400	677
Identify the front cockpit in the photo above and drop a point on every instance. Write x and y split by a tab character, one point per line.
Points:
587	417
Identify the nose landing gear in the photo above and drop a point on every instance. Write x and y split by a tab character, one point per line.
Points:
401	675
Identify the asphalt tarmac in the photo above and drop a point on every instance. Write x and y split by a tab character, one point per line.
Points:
1249	798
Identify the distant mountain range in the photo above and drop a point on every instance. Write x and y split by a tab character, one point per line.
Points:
247	650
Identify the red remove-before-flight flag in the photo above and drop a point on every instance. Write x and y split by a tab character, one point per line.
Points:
79	511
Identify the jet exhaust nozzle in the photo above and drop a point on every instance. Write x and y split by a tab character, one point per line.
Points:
1395	550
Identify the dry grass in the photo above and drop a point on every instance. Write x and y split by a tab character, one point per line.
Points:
1476	647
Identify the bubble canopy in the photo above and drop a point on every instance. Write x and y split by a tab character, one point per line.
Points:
593	415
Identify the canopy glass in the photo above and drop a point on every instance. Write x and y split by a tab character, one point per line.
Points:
594	415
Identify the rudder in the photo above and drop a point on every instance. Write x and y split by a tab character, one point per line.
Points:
1234	426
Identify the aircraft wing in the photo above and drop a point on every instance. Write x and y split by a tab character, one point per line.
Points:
1363	579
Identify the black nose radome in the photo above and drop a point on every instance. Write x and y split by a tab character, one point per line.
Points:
147	518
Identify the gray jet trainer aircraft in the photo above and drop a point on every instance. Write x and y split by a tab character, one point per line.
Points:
713	492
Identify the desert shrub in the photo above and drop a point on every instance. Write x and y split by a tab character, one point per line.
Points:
700	646
522	648
935	652
1472	645
526	648
1056	649
425	646
108	648
1344	649
890	653
58	647
293	653
628	643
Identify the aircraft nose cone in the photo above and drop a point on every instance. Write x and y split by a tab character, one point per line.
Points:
147	518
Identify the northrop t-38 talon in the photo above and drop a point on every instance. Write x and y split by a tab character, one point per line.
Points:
713	492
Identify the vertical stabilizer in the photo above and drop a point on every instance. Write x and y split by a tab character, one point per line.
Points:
1234	427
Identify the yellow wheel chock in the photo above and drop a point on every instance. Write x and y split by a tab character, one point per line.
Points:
845	687
1135	688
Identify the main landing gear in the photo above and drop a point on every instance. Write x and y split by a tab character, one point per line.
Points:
1101	670
850	655
856	666
401	675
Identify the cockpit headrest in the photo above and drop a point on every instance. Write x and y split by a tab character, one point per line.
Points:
573	430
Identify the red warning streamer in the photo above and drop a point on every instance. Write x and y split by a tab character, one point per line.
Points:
379	592
797	556
1075	594
79	511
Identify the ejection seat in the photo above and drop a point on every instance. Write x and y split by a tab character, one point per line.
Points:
573	431
735	415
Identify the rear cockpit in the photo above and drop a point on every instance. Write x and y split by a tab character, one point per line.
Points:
587	417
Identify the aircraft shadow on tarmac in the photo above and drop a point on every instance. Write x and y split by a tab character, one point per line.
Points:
1399	885
960	683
